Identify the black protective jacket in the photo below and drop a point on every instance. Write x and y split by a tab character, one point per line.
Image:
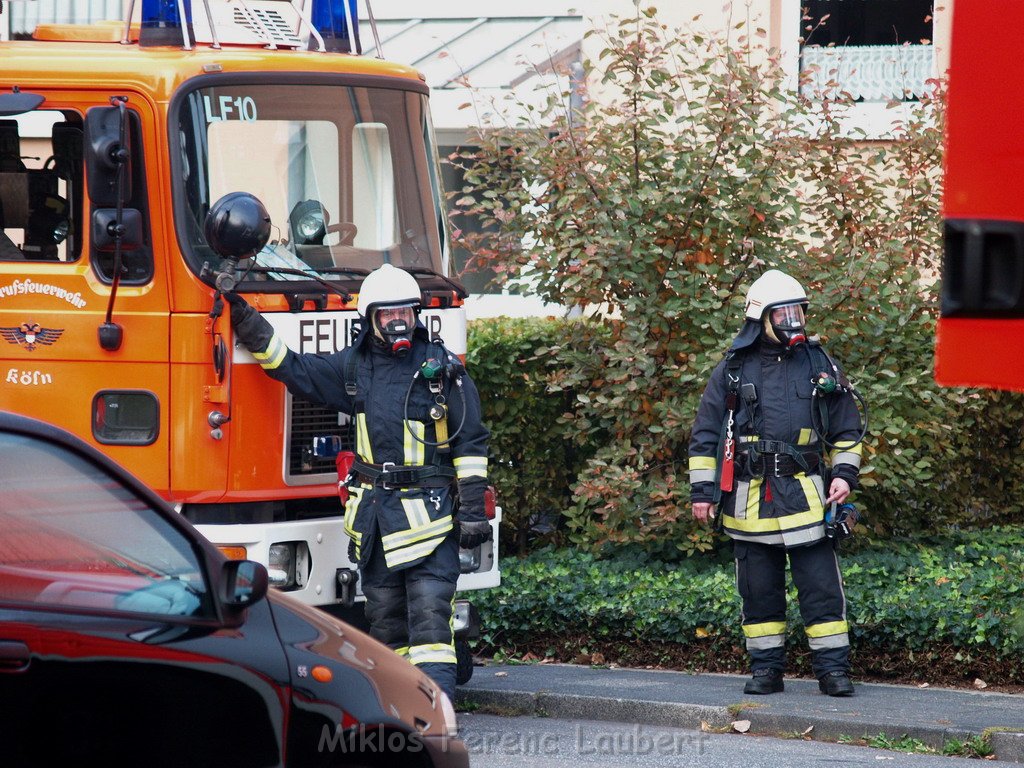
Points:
411	521
773	500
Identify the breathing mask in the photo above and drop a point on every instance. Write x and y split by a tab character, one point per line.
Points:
393	327
784	323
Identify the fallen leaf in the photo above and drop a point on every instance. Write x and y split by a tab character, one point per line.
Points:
701	632
923	685
705	726
531	657
741	726
501	674
808	731
979	683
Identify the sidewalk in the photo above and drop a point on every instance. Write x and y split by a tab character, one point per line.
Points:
932	715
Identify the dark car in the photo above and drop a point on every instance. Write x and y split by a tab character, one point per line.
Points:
127	639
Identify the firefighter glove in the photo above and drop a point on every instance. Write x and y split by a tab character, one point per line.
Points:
474	528
250	326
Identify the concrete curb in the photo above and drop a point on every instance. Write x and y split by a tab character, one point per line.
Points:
1008	746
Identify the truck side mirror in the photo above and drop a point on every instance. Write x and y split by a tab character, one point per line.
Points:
106	153
104	229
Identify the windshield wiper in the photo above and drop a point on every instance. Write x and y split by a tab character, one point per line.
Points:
456	286
345	271
345	295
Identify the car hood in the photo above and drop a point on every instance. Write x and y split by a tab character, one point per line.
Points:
400	692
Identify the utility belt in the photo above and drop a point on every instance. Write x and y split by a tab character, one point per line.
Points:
774	458
390	475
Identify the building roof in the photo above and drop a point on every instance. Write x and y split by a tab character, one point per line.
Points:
481	52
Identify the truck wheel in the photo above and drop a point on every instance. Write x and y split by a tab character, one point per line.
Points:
463	662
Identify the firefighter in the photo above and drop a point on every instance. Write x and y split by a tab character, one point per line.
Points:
757	460
412	501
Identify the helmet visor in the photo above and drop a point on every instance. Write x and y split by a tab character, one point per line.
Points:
396	319
787	317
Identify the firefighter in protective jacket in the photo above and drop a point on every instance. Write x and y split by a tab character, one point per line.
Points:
402	516
757	459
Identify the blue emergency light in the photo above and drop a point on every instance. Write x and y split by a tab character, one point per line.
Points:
337	21
161	23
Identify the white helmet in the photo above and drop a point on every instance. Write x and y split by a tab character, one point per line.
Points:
388	285
771	288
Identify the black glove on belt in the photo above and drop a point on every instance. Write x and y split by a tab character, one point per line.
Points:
474	527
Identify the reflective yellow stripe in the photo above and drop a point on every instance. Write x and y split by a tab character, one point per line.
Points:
703	462
753	499
272	356
768	524
815	501
805	437
847	445
363	439
432	653
765	629
414	449
402	538
414	552
355	495
828	628
470	466
415	513
403	651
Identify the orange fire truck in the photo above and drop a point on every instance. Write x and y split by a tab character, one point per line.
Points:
981	328
116	139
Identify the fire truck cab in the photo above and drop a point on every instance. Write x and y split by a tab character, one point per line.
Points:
980	338
115	141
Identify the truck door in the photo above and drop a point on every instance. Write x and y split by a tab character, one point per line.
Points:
58	214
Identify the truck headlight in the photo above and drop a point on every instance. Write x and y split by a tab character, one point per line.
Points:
288	564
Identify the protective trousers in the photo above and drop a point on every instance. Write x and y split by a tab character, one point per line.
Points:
410	610
761	580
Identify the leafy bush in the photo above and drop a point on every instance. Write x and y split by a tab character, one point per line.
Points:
655	206
963	596
534	460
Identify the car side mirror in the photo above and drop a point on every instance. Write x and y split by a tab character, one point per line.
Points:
244	583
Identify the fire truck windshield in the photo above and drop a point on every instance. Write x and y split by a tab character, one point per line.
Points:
347	173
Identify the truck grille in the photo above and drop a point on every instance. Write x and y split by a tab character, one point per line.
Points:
305	422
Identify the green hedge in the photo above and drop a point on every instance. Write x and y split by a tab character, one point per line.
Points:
965	594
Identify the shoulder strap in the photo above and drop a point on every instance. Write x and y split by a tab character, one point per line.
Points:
349	373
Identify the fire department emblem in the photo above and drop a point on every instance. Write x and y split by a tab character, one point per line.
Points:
31	335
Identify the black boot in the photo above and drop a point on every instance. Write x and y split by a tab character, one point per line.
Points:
765	681
836	684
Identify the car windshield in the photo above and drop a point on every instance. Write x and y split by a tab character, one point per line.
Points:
75	538
348	174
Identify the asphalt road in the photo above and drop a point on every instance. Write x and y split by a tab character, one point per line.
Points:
532	742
